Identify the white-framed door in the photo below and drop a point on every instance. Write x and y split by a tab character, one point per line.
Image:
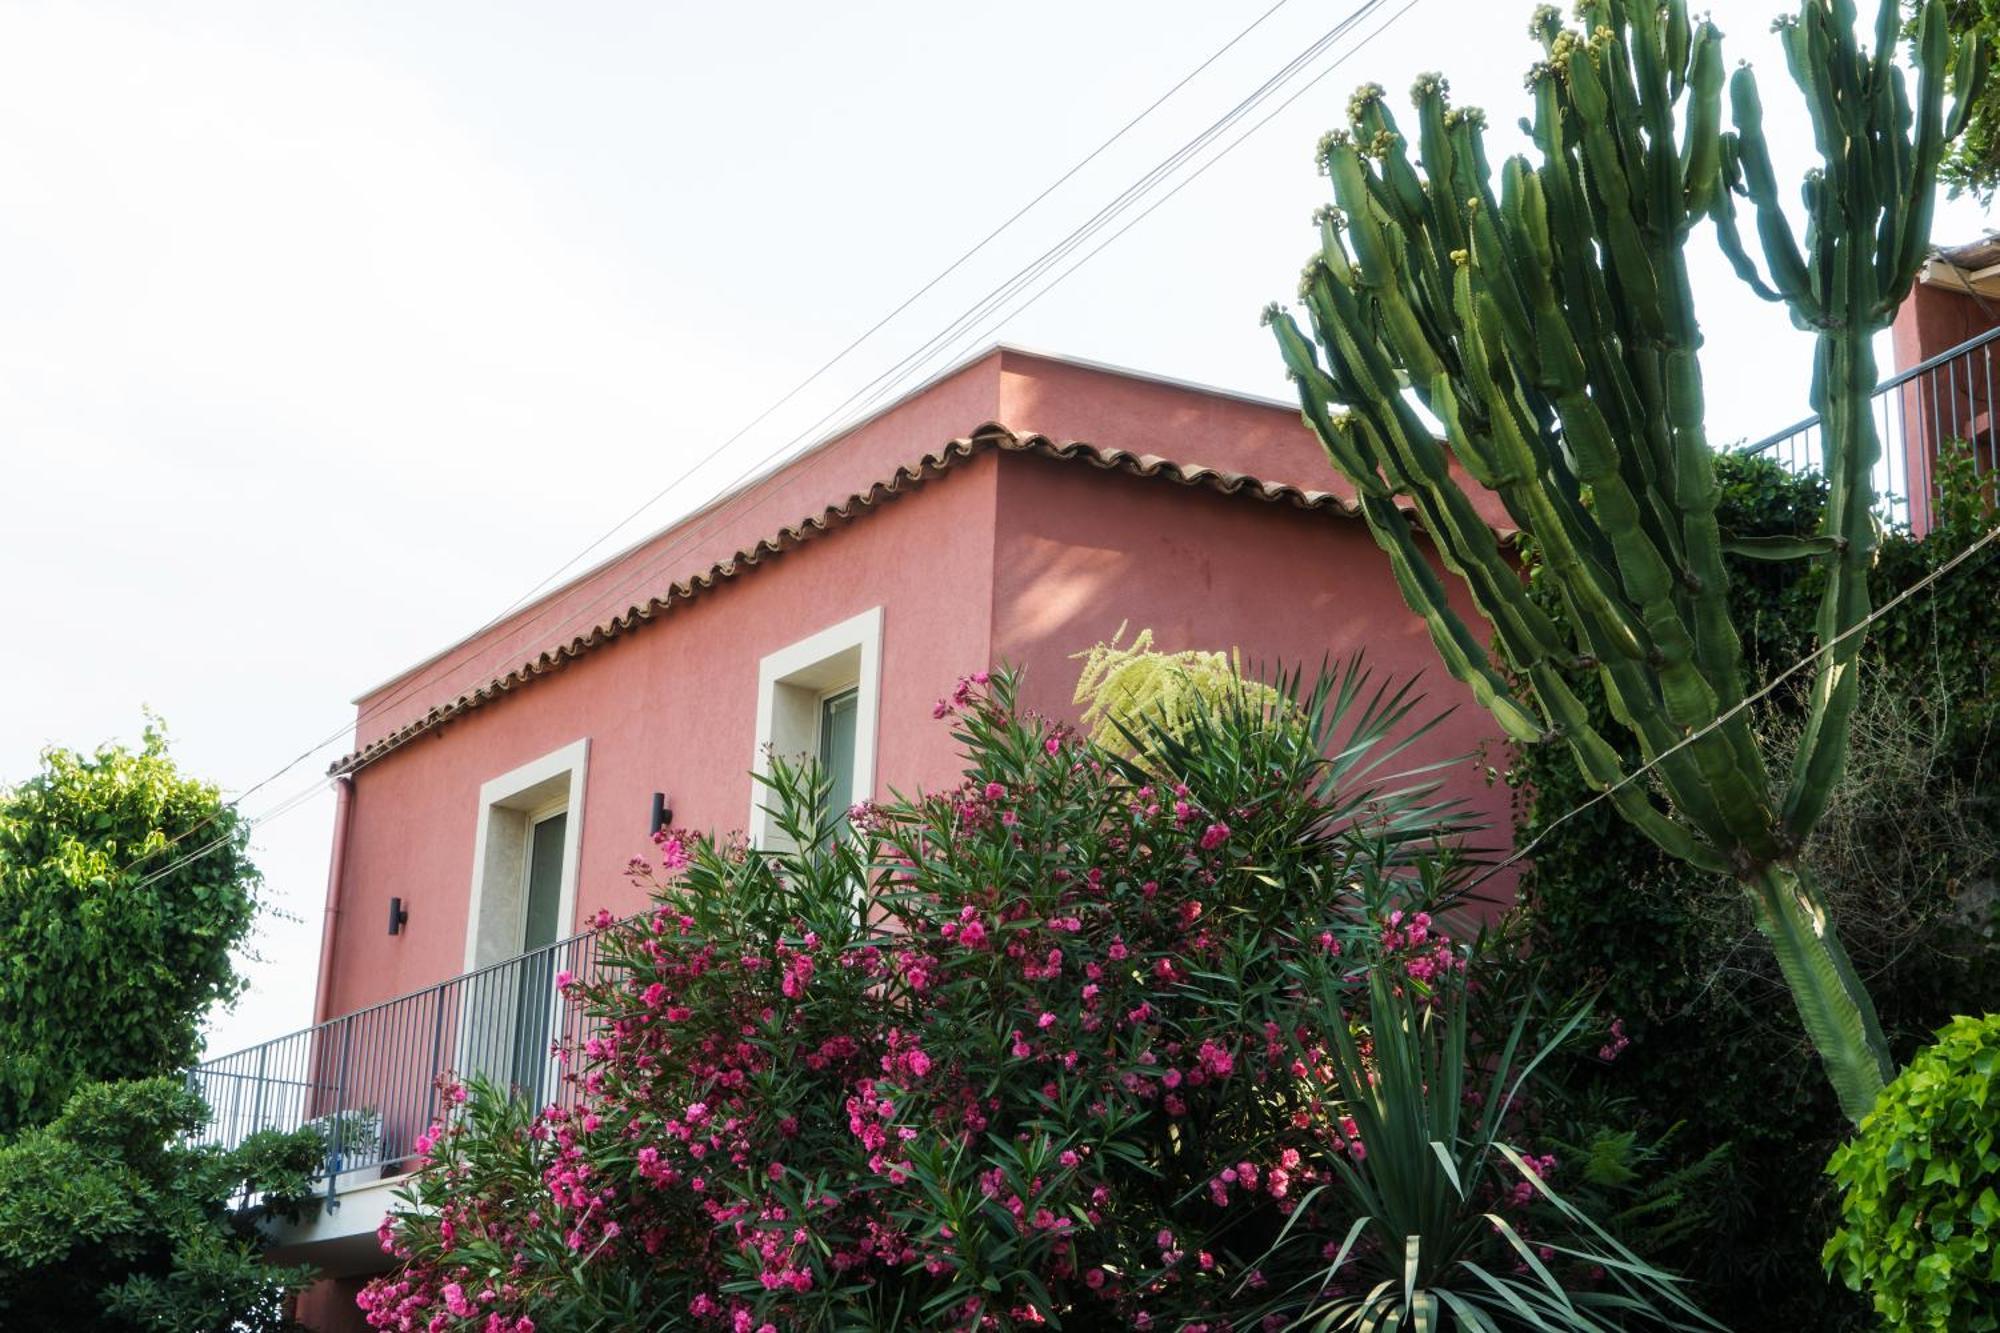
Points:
536	1003
523	901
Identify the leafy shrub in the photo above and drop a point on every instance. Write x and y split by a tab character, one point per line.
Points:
1908	851
1102	1049
113	941
1972	163
1921	1189
109	1222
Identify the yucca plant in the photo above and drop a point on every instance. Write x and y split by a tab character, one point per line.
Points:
1452	1228
1547	330
1339	737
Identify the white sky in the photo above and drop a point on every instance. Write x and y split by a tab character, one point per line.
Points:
326	331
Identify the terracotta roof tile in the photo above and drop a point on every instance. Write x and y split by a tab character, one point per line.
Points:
990	437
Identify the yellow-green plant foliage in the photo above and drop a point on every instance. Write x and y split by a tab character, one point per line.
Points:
1129	689
1920	1203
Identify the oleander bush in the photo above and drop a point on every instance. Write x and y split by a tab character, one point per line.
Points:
1191	1040
1920	1201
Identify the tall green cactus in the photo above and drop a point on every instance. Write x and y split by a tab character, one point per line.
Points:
1541	344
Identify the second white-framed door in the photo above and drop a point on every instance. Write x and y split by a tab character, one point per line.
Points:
536	1001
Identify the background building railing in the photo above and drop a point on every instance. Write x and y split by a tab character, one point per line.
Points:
368	1081
1948	397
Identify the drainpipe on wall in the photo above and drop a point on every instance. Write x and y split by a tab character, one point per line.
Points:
343	807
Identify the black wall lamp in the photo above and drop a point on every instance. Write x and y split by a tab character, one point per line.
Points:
397	916
663	814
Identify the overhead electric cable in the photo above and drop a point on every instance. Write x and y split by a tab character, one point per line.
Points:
905	369
993	329
901	372
1727	715
812	378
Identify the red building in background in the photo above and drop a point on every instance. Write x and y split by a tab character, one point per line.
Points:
1945	346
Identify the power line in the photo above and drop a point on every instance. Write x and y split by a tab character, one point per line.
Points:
767	412
992	329
284	807
1743	704
883	386
905	369
901	306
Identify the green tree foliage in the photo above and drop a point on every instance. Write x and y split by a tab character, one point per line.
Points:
124	886
1545	323
1908	852
1972	165
1921	1190
107	965
108	1223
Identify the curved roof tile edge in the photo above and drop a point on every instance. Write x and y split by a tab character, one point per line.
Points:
991	436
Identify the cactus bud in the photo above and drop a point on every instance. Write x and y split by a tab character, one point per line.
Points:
1429	84
1330	143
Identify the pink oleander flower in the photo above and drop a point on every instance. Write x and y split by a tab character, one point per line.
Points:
675	852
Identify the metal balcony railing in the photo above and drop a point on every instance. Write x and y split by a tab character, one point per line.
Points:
369	1081
1948	397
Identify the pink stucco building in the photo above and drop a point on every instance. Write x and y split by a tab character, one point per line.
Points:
1017	509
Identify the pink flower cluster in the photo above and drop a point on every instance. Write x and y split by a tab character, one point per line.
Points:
1425	952
1523	1192
1030	1022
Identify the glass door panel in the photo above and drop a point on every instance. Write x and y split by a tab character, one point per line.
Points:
838	714
535	1001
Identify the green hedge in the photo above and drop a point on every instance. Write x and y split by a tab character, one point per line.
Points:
1716	1065
1921	1182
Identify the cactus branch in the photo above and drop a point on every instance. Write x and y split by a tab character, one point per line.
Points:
1539	341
